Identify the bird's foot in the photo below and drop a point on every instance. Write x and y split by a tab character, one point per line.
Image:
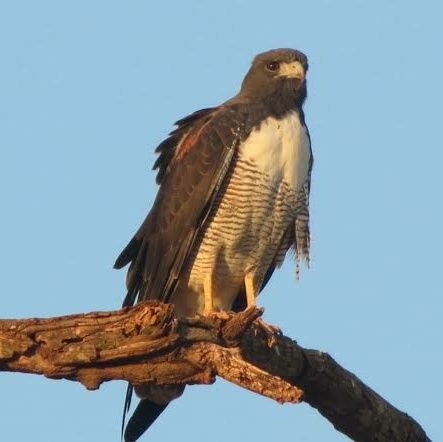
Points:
271	331
217	314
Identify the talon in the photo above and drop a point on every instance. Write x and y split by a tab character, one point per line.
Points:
271	331
220	314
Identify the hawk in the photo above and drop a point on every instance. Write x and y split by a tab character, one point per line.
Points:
233	198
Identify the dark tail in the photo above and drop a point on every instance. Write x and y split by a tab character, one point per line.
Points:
147	411
143	417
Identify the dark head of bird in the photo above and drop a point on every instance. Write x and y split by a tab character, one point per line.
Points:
277	77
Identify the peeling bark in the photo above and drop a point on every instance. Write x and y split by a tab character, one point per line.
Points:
146	343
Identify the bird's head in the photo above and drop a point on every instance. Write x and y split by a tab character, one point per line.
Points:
277	74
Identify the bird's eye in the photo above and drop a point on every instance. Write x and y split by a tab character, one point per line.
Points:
273	66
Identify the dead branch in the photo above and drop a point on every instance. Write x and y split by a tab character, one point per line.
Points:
146	343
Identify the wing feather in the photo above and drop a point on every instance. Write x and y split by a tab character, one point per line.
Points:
193	163
171	145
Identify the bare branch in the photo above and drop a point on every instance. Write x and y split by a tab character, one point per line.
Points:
146	343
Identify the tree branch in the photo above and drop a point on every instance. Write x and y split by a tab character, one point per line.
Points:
146	343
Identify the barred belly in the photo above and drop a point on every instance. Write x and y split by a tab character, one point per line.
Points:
253	219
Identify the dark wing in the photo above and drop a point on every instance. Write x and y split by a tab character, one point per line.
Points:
192	165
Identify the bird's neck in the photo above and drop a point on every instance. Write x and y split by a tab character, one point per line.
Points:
277	105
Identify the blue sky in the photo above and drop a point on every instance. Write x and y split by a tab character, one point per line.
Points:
88	89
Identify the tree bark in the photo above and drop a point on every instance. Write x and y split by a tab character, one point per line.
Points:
146	343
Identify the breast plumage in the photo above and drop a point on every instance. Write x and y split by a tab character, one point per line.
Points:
252	223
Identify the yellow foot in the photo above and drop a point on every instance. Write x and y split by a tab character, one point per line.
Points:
271	331
217	314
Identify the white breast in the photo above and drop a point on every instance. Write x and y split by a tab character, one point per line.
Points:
280	148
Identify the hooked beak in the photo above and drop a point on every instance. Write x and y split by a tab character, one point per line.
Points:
292	70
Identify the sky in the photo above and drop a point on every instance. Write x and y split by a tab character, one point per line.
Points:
87	91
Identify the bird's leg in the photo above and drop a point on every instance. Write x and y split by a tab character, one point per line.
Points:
209	295
208	288
251	292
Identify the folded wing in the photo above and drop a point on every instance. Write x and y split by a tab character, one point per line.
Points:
192	164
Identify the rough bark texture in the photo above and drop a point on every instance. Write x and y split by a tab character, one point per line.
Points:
146	343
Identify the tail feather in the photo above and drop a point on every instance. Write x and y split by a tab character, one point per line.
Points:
146	411
143	417
126	406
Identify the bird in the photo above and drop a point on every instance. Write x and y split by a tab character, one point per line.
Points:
233	198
